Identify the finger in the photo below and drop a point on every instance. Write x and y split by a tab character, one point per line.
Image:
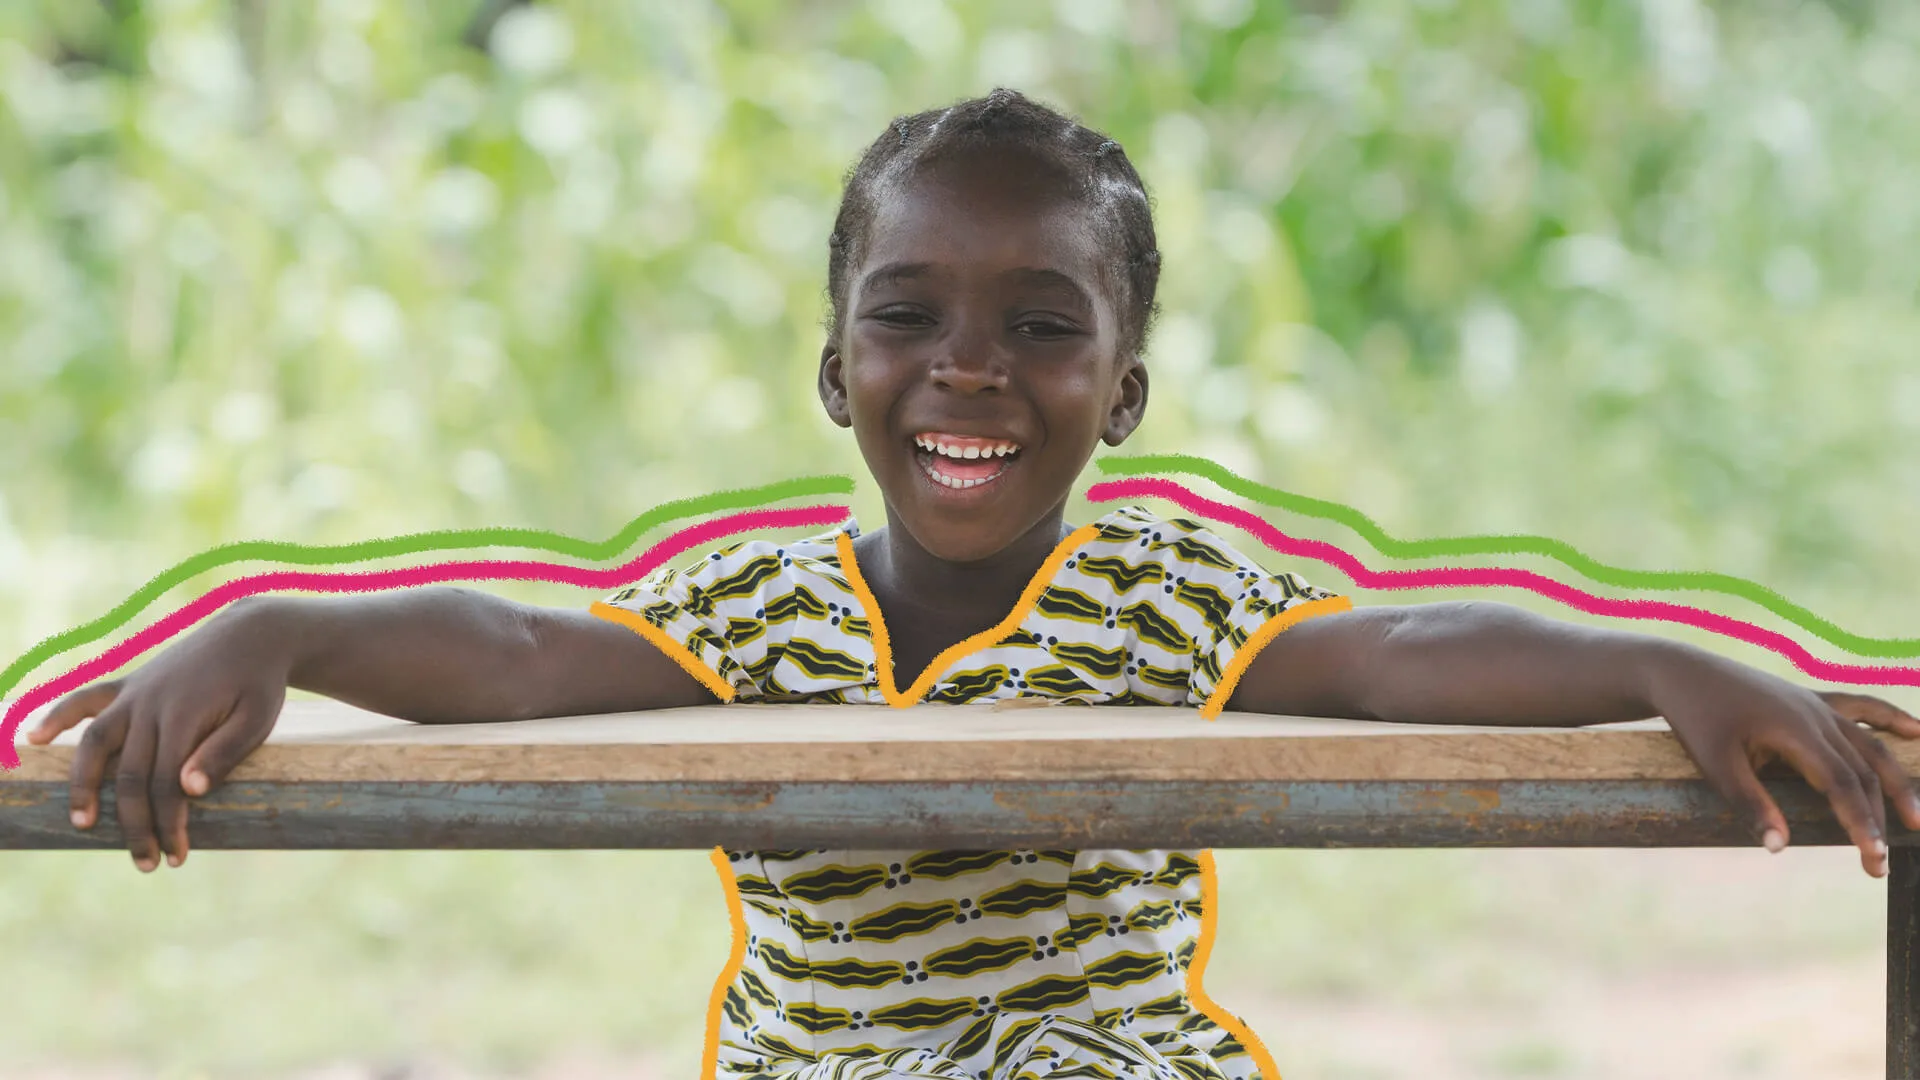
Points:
1873	712
1851	756
130	791
240	734
1732	774
179	733
75	707
98	744
1812	757
1893	776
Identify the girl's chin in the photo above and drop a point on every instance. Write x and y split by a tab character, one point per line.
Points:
965	523
958	532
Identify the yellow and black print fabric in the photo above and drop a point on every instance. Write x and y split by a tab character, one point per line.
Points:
1139	611
974	965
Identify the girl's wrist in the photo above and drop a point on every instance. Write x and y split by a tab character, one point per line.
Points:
269	630
1664	666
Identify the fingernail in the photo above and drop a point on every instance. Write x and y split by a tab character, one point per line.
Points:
1775	842
173	860
79	819
1880	847
146	864
196	783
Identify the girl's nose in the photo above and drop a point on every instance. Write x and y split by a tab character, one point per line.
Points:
970	362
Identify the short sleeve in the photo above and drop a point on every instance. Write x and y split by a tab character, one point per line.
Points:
1265	605
1234	605
693	614
1178	609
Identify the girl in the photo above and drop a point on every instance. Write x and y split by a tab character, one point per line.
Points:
992	274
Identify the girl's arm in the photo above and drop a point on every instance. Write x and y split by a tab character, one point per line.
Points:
451	655
1484	663
177	726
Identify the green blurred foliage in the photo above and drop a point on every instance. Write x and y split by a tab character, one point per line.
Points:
247	965
1638	276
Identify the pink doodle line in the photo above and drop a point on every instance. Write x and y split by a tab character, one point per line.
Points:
1473	577
706	532
376	580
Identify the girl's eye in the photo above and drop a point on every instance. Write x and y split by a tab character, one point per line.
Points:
1044	330
901	318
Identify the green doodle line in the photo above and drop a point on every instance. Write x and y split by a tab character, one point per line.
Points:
414	544
1594	570
736	499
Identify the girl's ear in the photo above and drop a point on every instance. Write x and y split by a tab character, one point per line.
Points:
1129	402
833	386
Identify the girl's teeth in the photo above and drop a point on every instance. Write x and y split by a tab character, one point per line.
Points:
964	452
939	476
952	483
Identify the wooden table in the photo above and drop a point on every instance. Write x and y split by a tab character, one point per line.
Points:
969	776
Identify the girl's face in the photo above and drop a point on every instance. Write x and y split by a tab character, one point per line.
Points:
978	361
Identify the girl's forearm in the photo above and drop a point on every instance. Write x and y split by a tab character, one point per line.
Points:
1485	663
432	655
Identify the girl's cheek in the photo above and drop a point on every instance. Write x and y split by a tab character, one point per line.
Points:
870	358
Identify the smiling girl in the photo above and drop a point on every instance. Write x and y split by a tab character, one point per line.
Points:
992	274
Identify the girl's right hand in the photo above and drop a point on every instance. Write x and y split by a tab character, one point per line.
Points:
178	726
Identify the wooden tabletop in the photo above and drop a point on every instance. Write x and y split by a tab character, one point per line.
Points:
325	741
932	776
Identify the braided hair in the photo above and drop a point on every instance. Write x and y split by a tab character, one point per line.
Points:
1093	166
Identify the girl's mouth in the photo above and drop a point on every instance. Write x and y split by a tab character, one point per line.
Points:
963	462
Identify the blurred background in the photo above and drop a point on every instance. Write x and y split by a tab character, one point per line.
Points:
1639	276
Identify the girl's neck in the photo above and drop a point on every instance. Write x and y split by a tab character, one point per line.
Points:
919	579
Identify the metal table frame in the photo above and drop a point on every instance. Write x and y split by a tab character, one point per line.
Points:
336	791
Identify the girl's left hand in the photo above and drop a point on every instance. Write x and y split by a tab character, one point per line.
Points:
1732	719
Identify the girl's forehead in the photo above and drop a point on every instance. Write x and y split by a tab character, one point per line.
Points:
975	217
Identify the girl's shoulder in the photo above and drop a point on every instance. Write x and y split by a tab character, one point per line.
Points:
1189	562
820	549
755	566
1140	536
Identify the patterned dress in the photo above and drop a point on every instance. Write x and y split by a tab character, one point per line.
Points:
975	965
